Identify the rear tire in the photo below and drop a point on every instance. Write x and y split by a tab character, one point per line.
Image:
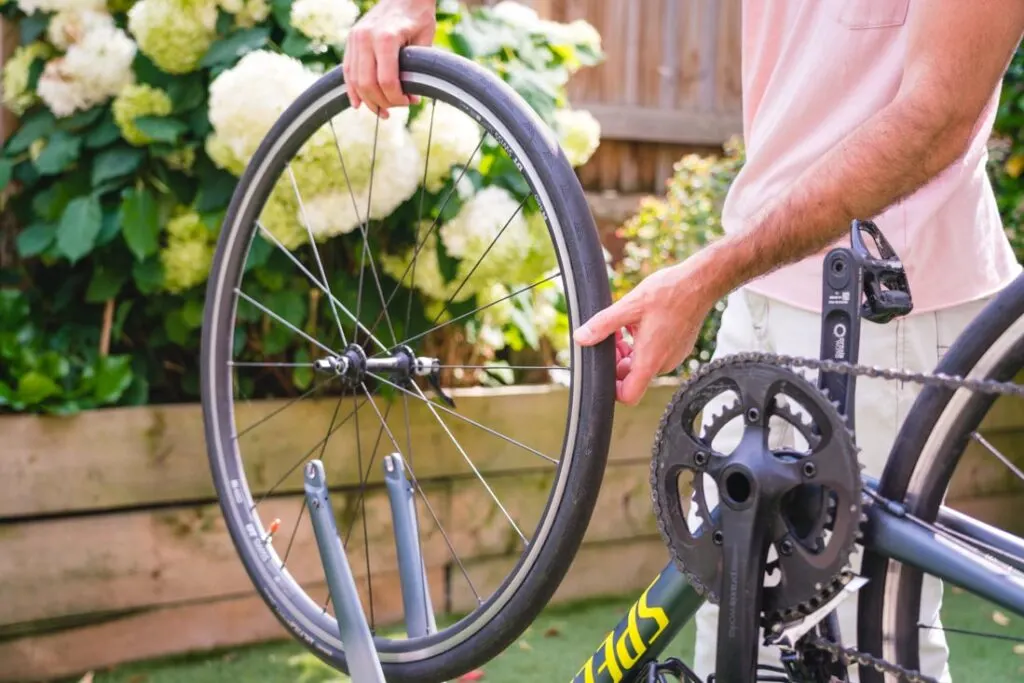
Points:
927	451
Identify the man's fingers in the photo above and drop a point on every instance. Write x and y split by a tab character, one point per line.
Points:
386	46
366	80
605	322
349	69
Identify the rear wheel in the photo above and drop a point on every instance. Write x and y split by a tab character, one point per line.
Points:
371	316
943	430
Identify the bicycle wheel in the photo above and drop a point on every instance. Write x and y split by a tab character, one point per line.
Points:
940	429
511	133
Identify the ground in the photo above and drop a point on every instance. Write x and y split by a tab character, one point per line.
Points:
561	640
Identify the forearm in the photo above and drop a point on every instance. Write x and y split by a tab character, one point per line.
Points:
889	157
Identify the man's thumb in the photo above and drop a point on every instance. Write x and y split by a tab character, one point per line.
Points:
598	327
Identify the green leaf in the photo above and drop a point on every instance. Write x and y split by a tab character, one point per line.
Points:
289	304
192	312
32	26
178	331
448	266
199	122
282	11
35	126
82	119
296	45
235	46
302	376
103	134
186	92
215	190
111	227
259	251
113	375
115	162
6	394
140	222
35	239
149	73
35	70
105	284
148	275
161	128
79	225
34	388
6	170
61	151
224	22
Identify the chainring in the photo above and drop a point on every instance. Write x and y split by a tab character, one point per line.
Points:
816	526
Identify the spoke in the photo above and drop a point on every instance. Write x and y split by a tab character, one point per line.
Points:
431	405
504	367
316	254
365	474
433	226
291	402
362	499
419	212
999	456
479	261
284	322
482	308
269	365
320	286
366	243
423	495
295	529
977	634
305	456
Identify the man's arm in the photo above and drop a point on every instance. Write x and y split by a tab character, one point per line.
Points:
958	51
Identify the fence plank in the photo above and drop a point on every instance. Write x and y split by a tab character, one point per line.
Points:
647	124
58	569
589	576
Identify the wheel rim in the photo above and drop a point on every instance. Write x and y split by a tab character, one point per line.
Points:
281	584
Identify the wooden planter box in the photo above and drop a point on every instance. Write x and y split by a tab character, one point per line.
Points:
112	547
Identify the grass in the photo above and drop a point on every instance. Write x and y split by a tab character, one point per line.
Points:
561	640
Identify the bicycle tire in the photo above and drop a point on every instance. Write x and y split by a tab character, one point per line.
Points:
482	635
918	473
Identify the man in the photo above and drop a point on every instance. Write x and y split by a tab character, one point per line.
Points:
852	109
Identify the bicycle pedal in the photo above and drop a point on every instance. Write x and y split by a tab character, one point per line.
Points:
657	671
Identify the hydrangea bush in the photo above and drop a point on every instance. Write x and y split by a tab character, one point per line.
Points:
138	116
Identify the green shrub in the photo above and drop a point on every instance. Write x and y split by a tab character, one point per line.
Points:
137	118
1007	153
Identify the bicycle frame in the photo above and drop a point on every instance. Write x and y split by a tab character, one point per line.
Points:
855	284
662	610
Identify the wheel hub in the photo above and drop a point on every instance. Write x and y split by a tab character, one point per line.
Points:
353	365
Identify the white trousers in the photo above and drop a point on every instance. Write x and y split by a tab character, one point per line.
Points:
752	322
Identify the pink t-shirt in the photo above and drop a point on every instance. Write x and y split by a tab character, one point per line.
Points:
813	70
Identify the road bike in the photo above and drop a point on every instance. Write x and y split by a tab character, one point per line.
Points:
795	511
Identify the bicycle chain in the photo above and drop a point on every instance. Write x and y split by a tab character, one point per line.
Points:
844	655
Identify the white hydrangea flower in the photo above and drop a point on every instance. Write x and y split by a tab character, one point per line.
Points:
94	69
516	14
426	276
175	34
247	99
473	235
69	26
578	32
247	13
579	134
324	22
453	137
32	6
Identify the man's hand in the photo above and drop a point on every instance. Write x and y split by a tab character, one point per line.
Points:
663	314
371	55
